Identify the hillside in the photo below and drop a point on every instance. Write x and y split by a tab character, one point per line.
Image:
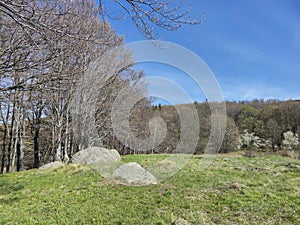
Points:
233	190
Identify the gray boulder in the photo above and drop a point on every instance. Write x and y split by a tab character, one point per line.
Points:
115	154
133	174
52	165
96	155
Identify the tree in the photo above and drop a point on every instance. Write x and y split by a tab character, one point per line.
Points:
138	114
251	140
290	140
273	133
204	115
231	138
107	68
233	110
37	101
128	117
249	120
170	117
290	115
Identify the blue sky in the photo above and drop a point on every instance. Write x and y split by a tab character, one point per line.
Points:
252	47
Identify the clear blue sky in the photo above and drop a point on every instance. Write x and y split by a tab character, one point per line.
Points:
252	46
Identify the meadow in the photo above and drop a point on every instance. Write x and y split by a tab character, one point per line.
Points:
233	190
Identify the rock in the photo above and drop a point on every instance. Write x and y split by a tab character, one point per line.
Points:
133	174
95	155
52	165
115	154
181	221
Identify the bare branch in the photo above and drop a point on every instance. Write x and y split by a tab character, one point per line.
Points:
146	14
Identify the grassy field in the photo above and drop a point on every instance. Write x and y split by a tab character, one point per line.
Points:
233	190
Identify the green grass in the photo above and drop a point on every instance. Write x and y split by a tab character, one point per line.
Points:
233	190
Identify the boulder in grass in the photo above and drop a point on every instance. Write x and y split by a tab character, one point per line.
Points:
133	174
115	154
52	165
96	155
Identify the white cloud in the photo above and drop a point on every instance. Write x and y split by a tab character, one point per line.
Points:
250	91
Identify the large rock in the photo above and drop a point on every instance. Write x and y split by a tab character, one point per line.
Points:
96	155
52	165
133	174
115	154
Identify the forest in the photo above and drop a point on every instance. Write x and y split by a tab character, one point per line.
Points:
46	49
259	125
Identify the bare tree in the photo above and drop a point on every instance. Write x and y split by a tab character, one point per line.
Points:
103	71
273	132
139	114
231	137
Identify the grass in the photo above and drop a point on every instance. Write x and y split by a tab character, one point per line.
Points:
233	190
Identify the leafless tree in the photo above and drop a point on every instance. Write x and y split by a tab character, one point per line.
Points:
106	69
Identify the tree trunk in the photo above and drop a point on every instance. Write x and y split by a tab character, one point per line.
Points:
22	137
15	142
66	139
3	149
4	137
20	132
58	155
37	126
19	161
17	133
36	145
9	150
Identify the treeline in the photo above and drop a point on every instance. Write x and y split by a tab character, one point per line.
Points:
267	122
269	125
